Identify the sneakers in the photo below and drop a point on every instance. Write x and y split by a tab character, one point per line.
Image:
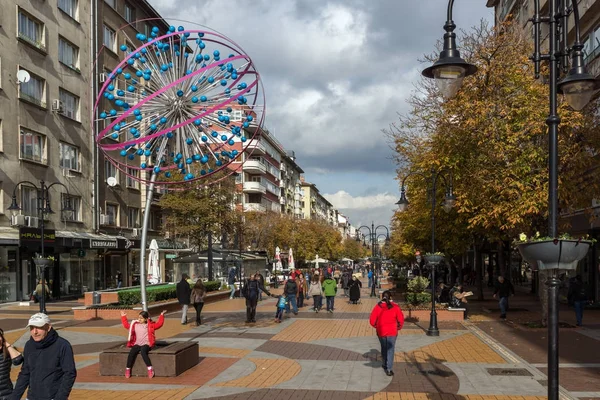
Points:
127	373
389	373
150	372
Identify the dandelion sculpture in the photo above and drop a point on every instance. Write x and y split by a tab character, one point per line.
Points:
180	107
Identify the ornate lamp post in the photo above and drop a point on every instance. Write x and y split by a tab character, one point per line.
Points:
448	204
372	237
43	207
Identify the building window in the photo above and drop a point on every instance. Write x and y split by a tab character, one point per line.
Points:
109	38
69	7
155	221
110	170
31	30
68	53
147	29
132	178
112	211
34	90
129	13
75	203
29	201
133	217
69	157
111	3
33	146
70	104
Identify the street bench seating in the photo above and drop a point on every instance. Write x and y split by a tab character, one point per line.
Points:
168	359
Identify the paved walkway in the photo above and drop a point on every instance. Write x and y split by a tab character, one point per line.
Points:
334	356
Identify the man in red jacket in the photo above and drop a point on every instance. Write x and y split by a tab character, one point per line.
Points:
387	319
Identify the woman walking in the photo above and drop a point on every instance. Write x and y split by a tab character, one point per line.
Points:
141	338
316	291
9	356
387	319
197	299
354	288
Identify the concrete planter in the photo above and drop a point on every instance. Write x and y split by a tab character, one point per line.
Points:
555	254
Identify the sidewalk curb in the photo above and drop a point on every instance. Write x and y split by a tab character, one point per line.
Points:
510	356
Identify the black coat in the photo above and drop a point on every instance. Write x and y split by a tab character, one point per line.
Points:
504	289
48	369
183	291
354	287
6	386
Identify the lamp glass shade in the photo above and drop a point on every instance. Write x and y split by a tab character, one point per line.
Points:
449	79
14	207
402	205
578	93
449	203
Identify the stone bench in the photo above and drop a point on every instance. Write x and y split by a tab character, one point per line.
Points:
168	359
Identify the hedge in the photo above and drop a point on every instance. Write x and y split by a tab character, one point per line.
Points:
416	299
157	293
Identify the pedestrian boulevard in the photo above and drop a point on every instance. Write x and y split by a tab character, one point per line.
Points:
308	356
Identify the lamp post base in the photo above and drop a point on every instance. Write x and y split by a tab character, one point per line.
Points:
433	326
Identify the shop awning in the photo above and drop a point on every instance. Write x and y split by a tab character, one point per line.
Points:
9	236
91	240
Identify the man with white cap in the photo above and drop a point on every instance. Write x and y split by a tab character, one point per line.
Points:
49	367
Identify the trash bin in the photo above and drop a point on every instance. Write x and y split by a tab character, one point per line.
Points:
96	298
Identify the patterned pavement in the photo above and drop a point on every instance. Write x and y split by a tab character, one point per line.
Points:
311	356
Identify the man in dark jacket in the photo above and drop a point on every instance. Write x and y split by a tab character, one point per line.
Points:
48	367
502	290
231	281
577	296
290	290
250	291
184	292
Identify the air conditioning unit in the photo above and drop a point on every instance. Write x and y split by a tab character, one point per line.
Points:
17	220
57	106
135	232
67	173
104	219
32	222
103	77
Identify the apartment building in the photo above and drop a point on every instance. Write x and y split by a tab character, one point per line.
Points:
291	191
589	12
259	173
315	206
44	136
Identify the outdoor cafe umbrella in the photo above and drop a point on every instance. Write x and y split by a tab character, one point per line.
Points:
153	263
291	263
277	264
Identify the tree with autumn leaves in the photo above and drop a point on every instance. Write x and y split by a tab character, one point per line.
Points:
492	137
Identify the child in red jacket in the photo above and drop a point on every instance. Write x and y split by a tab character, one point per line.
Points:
387	319
141	338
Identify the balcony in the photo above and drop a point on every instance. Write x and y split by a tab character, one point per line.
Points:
282	200
255	147
260	207
254	187
255	167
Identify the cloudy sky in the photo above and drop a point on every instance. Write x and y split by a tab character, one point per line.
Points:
335	72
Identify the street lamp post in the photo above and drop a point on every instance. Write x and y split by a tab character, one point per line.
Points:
372	237
578	88
449	202
43	207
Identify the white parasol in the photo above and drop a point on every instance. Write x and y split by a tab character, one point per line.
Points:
153	263
291	263
277	265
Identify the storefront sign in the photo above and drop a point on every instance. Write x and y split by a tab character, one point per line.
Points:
103	244
33	236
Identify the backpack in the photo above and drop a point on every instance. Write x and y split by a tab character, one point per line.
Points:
291	287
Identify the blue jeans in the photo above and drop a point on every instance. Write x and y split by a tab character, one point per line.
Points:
330	300
232	295
388	345
503	305
370	282
579	306
291	300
